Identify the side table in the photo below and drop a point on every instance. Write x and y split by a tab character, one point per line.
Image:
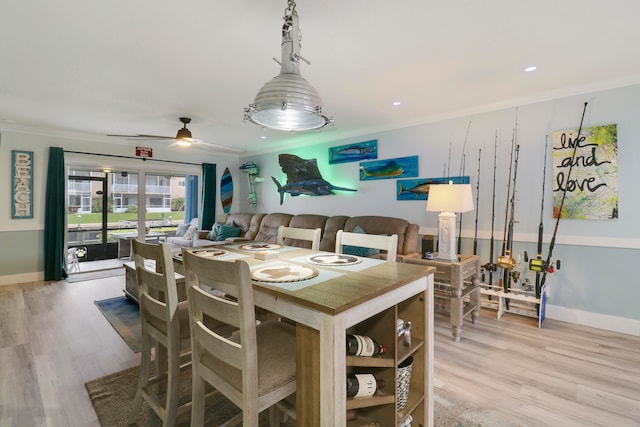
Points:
456	281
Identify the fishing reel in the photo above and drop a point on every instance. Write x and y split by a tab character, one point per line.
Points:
490	267
539	265
507	262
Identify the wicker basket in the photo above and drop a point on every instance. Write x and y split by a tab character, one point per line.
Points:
403	381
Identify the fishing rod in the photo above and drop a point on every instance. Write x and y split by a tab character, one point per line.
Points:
547	262
538	263
506	209
475	235
463	162
491	267
507	262
460	214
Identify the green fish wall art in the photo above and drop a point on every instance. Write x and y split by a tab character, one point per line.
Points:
303	178
401	167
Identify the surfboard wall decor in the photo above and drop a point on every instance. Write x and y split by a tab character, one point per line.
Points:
226	190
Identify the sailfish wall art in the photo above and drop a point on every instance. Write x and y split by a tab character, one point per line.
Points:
303	177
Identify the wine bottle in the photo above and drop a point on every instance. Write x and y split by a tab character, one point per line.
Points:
363	385
360	345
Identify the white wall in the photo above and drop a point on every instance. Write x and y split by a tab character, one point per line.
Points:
597	274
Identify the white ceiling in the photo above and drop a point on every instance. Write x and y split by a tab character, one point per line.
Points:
92	68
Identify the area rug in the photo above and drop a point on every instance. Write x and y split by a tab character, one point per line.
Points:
124	316
112	395
93	275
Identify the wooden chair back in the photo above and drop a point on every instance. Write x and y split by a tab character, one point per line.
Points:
222	291
158	295
385	243
297	234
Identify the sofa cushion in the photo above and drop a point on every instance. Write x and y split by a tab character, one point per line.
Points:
331	227
191	231
180	241
308	221
182	228
227	231
248	222
213	234
269	227
382	225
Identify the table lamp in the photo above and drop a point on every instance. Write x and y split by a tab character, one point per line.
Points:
448	199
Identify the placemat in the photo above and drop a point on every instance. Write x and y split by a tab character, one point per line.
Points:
323	275
366	262
280	248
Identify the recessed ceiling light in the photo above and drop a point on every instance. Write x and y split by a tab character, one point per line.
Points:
396	103
263	137
530	68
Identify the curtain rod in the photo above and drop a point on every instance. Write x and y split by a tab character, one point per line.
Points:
144	159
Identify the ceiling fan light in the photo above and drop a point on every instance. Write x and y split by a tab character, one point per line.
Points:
184	142
183	133
288	102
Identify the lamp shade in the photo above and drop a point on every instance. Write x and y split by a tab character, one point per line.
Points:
450	198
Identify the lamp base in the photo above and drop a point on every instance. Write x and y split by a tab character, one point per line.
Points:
447	237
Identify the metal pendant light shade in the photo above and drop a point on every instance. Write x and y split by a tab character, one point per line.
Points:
288	102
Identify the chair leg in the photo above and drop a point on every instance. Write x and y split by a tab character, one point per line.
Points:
197	399
143	379
173	386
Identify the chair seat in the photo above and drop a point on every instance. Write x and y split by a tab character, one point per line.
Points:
276	357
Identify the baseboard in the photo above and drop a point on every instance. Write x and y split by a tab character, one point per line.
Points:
13	279
594	320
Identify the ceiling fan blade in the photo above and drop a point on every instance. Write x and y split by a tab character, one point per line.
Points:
141	136
218	146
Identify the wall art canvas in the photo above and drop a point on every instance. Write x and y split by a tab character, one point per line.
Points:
418	189
21	184
401	167
591	179
303	178
354	152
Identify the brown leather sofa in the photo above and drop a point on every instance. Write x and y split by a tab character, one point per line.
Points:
264	228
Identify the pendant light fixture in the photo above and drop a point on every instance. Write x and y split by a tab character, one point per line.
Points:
288	102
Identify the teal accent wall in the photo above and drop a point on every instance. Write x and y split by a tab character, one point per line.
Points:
21	251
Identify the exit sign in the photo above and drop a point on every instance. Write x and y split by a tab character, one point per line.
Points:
145	152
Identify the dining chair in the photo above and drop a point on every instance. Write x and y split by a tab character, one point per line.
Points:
306	234
255	368
362	240
165	324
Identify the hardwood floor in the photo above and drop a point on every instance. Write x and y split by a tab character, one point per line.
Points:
53	339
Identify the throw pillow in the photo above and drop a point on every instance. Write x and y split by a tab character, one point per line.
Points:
227	231
182	228
191	231
213	234
359	250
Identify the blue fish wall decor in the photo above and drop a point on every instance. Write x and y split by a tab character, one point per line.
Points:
353	152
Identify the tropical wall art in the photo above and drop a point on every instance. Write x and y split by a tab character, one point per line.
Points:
590	180
303	177
401	167
418	189
354	152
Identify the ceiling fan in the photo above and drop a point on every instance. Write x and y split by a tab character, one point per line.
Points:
183	138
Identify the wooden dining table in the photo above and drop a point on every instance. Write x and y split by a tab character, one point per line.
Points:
324	307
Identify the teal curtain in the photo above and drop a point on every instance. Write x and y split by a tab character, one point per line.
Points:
209	193
191	198
54	223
